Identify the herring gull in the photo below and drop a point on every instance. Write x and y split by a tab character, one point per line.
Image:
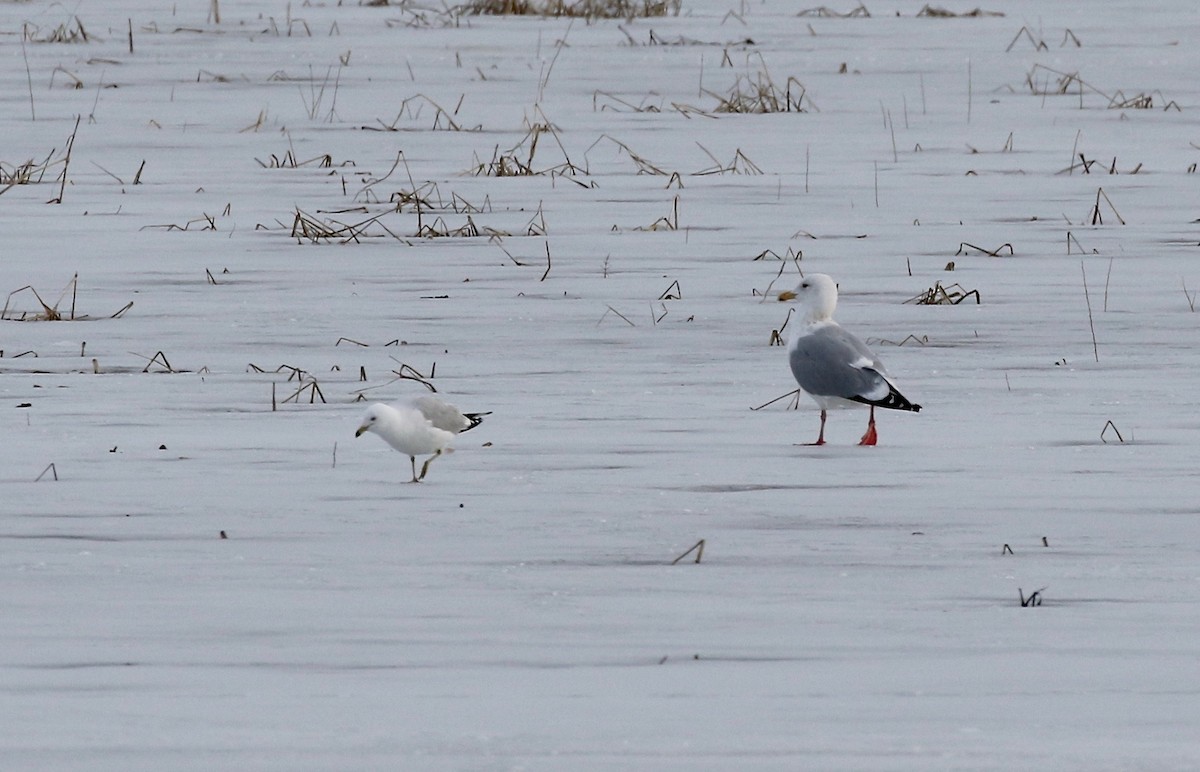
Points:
832	365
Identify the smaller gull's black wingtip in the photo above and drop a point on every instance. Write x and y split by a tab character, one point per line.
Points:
475	419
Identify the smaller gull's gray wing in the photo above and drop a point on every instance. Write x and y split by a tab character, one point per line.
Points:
445	416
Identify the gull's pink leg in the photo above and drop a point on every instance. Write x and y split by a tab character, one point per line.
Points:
871	437
821	435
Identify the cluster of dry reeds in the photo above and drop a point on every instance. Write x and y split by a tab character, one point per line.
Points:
933	12
48	312
759	94
518	162
825	12
1046	81
31	173
583	9
70	31
939	295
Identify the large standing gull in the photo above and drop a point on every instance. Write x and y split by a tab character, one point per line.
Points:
833	366
422	426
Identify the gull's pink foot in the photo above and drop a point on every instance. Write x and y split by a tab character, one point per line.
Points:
871	437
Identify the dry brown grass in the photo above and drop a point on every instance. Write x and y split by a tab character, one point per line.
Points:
759	94
939	295
49	312
70	31
582	9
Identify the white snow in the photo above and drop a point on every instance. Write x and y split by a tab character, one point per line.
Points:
854	607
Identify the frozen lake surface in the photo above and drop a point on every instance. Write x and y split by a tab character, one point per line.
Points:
555	221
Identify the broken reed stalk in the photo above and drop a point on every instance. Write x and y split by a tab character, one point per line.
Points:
66	163
51	469
1107	279
1034	599
1091	321
795	258
559	45
794	394
28	75
1095	217
618	313
892	126
161	359
969	90
806	153
698	548
1107	425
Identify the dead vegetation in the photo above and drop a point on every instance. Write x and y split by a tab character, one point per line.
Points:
288	161
964	246
50	312
758	93
1094	217
932	12
939	295
1038	43
825	12
205	222
518	161
1047	81
412	109
581	9
69	31
1085	166
33	173
317	230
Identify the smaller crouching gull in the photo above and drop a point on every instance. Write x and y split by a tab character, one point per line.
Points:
421	426
833	366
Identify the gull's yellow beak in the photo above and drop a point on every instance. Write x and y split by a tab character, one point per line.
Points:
787	295
360	431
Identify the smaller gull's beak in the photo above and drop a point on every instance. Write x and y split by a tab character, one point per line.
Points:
787	295
360	431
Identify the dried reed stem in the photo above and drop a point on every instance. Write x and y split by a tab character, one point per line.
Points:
1091	321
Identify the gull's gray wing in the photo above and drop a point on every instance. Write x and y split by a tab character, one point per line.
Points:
830	362
445	416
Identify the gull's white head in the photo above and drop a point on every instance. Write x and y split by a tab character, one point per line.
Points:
816	296
370	421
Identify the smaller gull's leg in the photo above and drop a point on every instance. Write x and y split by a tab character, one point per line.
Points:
415	479
425	466
871	437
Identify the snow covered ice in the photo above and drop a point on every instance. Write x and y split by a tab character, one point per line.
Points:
570	224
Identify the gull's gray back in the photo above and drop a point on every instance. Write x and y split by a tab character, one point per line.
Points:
824	364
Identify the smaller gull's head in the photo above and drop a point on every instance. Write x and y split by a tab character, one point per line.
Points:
370	420
816	296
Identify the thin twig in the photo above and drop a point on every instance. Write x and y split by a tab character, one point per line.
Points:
1091	322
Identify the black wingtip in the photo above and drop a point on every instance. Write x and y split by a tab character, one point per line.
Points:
893	401
475	419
